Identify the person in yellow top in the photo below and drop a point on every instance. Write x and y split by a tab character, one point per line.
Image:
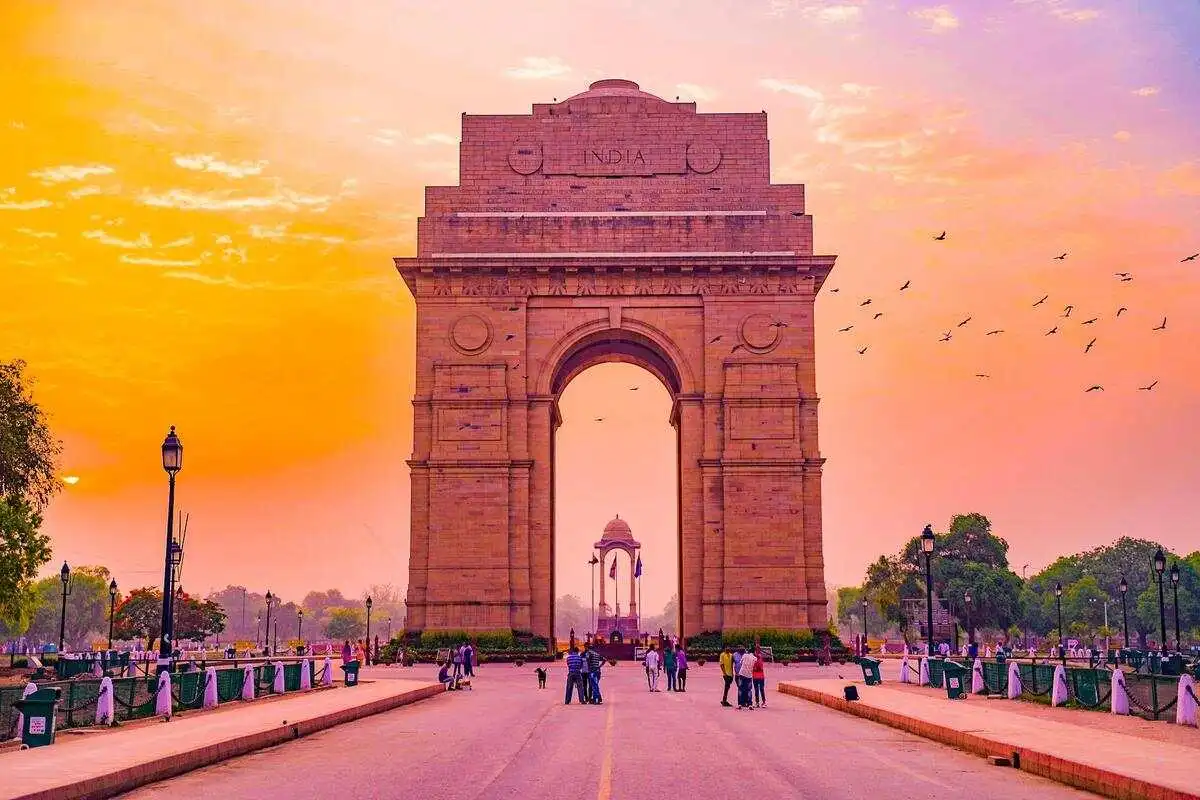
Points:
726	673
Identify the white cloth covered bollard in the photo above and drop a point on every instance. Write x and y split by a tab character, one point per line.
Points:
924	679
210	688
97	672
1014	680
305	674
906	675
327	672
248	682
977	682
277	686
105	707
1185	702
162	696
30	688
987	652
1120	700
1058	694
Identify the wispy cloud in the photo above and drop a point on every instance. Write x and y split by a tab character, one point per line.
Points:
1147	91
281	232
791	87
67	172
157	262
939	18
27	205
386	136
38	234
535	68
1058	9
696	92
1122	136
858	89
207	162
820	10
227	281
184	199
84	191
141	243
435	138
1182	179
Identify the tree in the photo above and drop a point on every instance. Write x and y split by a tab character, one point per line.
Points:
346	623
850	612
139	615
319	606
23	550
668	620
570	612
388	601
28	453
87	607
196	620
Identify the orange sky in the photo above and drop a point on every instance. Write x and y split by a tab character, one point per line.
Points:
199	204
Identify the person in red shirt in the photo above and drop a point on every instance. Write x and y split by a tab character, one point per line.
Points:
759	676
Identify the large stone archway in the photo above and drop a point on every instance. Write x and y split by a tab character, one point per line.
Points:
615	226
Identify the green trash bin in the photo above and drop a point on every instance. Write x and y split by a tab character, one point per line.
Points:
955	678
38	710
870	668
351	670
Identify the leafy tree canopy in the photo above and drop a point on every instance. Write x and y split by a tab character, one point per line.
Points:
28	453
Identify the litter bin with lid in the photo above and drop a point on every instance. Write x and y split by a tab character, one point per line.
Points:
870	668
955	677
351	670
38	710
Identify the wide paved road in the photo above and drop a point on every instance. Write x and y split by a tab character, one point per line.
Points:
507	739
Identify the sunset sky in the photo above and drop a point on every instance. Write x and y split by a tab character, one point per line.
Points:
199	204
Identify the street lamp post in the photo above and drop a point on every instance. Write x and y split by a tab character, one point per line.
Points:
1175	601
300	627
275	647
112	607
389	621
1160	564
864	642
1062	645
172	461
1123	588
369	603
65	574
970	634
267	628
258	632
927	544
593	562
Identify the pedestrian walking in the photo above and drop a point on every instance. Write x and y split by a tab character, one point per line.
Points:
726	660
347	653
361	653
652	668
681	667
669	665
745	676
759	677
574	665
595	664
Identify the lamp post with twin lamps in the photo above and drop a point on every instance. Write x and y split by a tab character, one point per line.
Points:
1123	588
967	602
927	543
1175	602
172	461
300	627
369	603
267	628
1160	565
112	608
1062	644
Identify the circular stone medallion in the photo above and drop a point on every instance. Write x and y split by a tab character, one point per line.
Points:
703	156
525	157
471	334
759	333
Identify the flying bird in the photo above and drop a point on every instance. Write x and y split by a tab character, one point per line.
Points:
1068	311
1192	257
1161	326
778	324
735	348
863	349
993	333
599	419
714	340
878	314
1096	388
940	237
982	375
508	337
1123	274
843	330
945	337
1121	310
1039	302
965	321
909	283
1127	279
1147	388
1089	345
1060	258
1052	330
514	308
866	302
1089	321
835	291
633	388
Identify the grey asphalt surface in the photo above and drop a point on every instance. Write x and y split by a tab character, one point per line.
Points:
507	739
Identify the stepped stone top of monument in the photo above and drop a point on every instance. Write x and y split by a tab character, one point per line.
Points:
614	87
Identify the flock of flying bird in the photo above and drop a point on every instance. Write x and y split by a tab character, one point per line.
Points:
947	336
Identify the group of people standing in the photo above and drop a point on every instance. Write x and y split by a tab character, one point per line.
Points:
583	675
356	652
748	671
673	661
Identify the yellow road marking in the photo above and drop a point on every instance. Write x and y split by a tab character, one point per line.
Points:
605	790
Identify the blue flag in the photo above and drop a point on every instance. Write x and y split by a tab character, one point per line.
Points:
637	571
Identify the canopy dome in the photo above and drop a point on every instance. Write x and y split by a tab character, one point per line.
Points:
617	530
614	87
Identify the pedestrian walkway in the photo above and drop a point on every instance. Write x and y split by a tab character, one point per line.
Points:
107	762
1102	761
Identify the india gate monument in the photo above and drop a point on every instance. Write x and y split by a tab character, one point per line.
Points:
615	226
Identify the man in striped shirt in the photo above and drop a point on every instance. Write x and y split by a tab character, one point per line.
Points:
574	674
